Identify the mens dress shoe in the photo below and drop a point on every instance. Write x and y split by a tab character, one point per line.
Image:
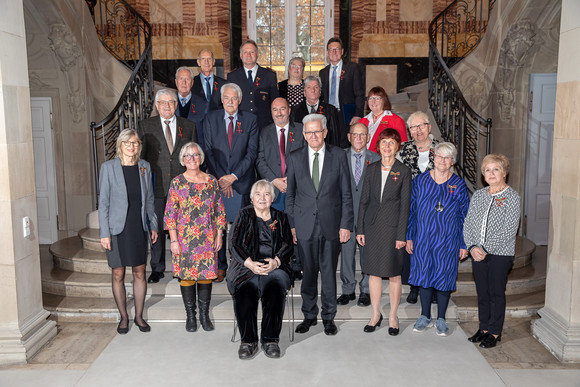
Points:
364	299
247	351
142	328
271	350
305	325
371	328
345	299
413	295
490	341
478	336
155	277
221	276
298	275
122	331
330	328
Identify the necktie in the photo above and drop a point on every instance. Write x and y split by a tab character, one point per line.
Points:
283	150
312	109
231	132
168	136
333	87
315	172
250	78
357	168
207	89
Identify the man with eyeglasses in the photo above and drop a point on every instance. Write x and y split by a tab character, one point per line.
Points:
313	104
359	158
162	137
342	87
320	212
259	84
231	147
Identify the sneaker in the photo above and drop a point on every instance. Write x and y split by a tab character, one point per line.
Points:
422	323
442	329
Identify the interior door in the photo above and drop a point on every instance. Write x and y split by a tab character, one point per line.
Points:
44	169
542	100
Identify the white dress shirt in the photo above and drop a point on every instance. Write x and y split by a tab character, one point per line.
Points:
172	127
320	160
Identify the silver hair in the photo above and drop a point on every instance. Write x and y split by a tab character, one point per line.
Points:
417	114
191	145
231	86
299	59
312	78
260	184
314	117
184	68
205	50
126	135
169	92
446	149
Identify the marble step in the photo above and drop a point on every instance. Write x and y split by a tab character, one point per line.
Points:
517	305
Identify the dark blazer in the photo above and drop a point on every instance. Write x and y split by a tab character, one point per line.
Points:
113	202
196	110
370	157
300	111
350	90
268	163
165	166
240	159
215	101
257	98
246	243
332	204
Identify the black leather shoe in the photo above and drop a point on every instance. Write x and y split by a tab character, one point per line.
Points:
490	341
330	328
298	275
413	294
155	277
142	328
122	331
305	325
371	328
272	350
478	336
364	299
247	351
345	299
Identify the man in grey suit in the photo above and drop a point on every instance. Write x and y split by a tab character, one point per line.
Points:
358	158
162	137
319	208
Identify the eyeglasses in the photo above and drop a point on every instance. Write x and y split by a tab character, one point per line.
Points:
358	135
130	144
296	67
420	126
334	49
191	156
375	98
165	103
443	158
315	132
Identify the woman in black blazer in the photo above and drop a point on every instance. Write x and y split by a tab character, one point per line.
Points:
292	89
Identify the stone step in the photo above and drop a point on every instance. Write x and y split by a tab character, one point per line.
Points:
517	305
91	239
525	248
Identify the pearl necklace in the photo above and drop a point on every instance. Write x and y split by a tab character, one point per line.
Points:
499	190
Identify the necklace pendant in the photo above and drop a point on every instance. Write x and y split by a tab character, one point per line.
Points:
439	207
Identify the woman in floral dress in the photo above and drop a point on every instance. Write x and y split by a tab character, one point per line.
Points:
195	219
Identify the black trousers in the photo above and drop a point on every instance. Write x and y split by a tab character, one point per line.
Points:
158	249
271	290
490	280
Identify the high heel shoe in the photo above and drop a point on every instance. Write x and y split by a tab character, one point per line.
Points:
371	328
142	328
393	331
122	331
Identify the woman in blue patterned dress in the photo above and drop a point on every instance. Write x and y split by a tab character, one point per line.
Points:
439	204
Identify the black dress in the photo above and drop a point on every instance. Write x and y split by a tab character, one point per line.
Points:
129	248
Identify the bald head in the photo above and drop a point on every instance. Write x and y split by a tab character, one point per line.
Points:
280	111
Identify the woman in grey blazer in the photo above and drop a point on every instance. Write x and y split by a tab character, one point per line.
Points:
126	198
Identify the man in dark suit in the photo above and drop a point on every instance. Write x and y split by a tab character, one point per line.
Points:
313	104
342	87
206	84
358	158
231	147
319	208
189	105
259	84
162	137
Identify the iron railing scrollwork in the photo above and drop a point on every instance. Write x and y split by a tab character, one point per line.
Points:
453	34
127	36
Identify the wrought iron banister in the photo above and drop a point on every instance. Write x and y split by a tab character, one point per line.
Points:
453	34
127	36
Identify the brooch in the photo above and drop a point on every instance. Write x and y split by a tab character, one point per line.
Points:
239	129
193	108
451	188
342	75
395	175
320	110
368	163
257	82
181	131
215	86
500	201
291	136
143	170
273	225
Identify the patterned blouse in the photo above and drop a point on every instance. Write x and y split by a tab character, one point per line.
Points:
409	155
295	94
492	221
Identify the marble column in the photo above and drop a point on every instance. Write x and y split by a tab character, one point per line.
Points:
558	329
24	327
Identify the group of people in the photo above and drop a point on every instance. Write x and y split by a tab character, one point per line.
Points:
332	179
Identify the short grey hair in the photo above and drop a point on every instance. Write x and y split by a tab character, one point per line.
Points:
233	86
184	68
262	184
126	135
446	149
169	92
184	149
312	78
314	117
297	59
418	114
205	50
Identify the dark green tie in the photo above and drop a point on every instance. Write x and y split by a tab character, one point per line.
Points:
315	172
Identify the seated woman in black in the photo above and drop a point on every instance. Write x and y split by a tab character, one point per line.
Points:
260	269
